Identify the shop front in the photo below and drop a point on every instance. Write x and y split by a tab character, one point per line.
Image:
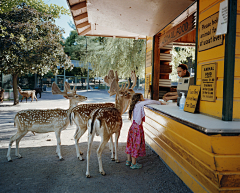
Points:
200	144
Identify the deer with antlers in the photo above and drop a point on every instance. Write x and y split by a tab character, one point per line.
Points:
81	112
44	121
106	121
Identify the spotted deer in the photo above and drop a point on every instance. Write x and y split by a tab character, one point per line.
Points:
44	121
106	121
27	93
81	112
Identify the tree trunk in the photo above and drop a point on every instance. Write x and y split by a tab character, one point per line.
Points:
15	90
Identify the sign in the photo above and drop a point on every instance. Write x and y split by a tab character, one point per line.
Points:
192	98
208	83
178	31
207	31
222	18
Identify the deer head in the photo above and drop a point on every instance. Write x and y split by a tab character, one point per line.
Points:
123	94
73	97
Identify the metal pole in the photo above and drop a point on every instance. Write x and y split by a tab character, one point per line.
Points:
88	77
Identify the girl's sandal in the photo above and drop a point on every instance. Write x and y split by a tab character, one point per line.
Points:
136	166
128	163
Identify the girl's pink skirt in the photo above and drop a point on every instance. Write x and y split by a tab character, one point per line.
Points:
135	141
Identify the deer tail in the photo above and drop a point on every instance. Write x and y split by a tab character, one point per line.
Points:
93	119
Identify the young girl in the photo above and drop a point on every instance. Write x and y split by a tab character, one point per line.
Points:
135	141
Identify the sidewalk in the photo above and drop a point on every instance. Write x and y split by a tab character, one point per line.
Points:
40	171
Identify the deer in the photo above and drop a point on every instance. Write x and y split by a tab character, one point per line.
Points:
2	95
27	93
106	121
80	113
45	120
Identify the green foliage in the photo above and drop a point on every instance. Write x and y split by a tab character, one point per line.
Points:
123	55
104	54
32	43
39	5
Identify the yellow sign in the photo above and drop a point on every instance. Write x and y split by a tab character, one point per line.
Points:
192	98
208	83
207	31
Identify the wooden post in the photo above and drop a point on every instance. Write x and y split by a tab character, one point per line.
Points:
155	69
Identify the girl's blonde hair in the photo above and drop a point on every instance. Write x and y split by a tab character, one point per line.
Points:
136	97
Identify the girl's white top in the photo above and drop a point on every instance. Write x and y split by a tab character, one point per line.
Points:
138	111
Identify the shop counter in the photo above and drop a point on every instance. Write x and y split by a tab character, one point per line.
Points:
203	151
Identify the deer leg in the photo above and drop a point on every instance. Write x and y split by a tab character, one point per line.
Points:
77	136
12	139
35	98
90	141
99	153
17	144
117	134
111	148
58	150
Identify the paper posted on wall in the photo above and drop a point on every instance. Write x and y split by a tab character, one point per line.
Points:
222	18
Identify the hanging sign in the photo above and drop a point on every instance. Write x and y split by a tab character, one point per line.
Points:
222	18
207	31
178	31
192	98
208	82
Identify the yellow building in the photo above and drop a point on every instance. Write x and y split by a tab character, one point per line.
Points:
202	148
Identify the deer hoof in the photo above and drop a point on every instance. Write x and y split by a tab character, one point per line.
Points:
103	173
117	161
88	176
81	159
61	159
10	160
112	159
81	153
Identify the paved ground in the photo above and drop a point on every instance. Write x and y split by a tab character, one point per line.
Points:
40	171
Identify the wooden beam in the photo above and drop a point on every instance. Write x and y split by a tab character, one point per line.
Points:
78	6
85	31
81	16
155	69
84	24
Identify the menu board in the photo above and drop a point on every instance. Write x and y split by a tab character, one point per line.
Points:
192	98
207	33
208	83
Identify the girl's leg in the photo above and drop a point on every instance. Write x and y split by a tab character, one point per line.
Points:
133	160
128	157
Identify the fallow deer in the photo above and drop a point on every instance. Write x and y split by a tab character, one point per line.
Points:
106	121
44	121
81	112
27	93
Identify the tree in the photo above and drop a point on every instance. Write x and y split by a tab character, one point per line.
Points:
103	53
122	55
31	45
39	5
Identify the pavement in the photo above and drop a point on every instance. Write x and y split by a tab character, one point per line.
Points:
38	150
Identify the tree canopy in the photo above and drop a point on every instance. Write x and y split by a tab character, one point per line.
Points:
31	43
104	53
39	5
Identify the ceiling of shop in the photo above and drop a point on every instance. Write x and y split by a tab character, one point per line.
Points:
125	18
